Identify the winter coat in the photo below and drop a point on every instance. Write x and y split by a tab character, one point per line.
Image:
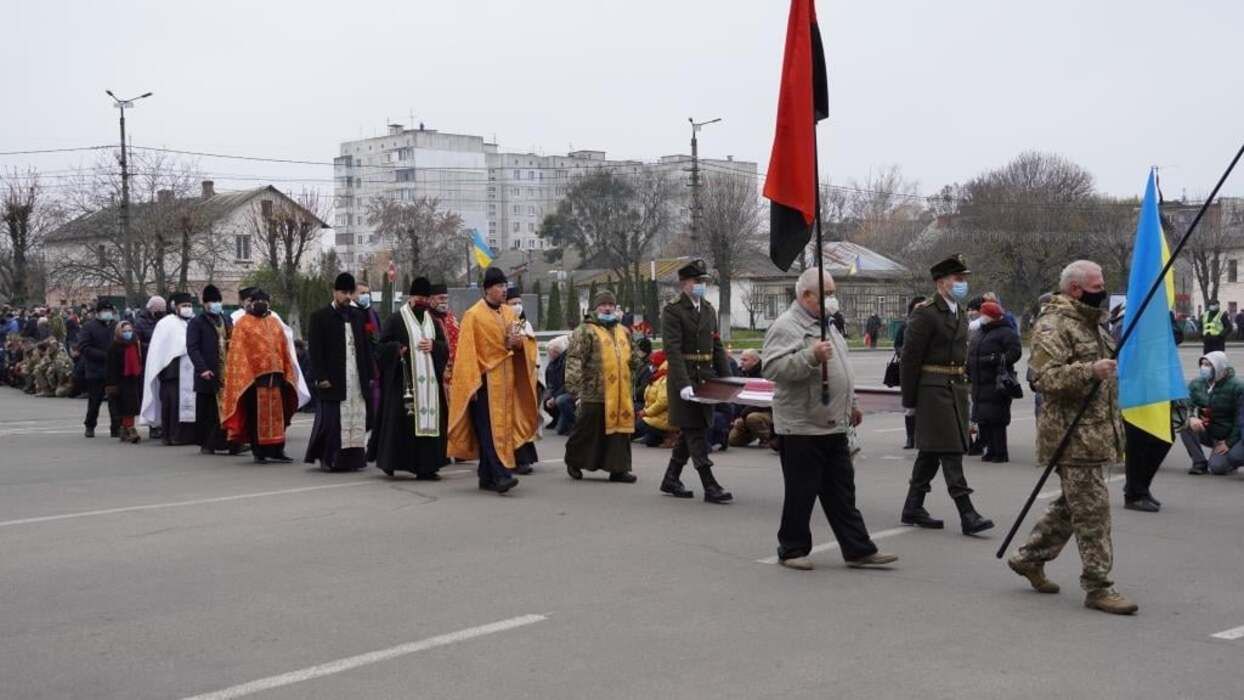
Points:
326	343
93	344
203	347
144	327
129	390
1068	338
789	363
1220	405
656	404
584	369
555	376
997	347
934	382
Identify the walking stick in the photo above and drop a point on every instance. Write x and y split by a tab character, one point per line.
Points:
1127	333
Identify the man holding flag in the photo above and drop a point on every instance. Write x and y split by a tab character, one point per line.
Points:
1150	375
1071	351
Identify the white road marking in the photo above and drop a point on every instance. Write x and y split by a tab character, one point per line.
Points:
828	546
374	657
1231	634
177	504
890	430
1055	493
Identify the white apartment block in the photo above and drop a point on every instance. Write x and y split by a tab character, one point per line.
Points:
504	195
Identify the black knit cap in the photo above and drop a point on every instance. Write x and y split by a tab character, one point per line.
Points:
439	288
180	298
259	295
211	293
246	292
345	282
493	276
420	287
104	304
513	293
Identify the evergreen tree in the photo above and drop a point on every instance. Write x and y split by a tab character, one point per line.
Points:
652	304
591	294
556	317
535	289
572	304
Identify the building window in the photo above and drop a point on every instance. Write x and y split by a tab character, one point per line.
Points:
515	209
531	227
492	243
242	246
531	243
517	245
531	174
1233	271
531	211
516	225
518	174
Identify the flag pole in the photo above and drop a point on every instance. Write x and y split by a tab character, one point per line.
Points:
1158	283
820	263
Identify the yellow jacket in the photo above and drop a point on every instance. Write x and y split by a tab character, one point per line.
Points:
656	404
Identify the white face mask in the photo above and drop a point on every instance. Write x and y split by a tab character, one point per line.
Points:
185	311
975	323
518	309
831	305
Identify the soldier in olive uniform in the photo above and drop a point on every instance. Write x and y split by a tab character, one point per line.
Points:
694	354
1071	350
935	386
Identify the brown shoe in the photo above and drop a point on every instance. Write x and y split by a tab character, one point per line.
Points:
1034	572
797	563
1111	601
872	561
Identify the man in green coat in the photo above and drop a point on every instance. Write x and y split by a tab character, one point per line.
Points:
1217	402
694	354
935	387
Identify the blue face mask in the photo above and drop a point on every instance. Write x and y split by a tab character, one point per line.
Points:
607	319
364	301
1207	373
959	290
127	336
698	290
214	307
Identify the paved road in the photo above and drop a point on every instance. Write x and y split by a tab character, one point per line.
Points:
154	572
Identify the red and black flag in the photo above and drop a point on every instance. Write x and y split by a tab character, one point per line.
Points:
791	184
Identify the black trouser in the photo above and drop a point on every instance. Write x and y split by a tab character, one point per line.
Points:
94	397
491	469
1143	456
693	444
993	439
819	466
925	468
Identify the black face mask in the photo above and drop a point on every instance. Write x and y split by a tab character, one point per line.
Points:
1094	299
259	308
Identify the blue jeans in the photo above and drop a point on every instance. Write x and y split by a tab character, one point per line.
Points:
1217	464
565	413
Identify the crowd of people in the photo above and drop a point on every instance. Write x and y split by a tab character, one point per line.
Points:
423	388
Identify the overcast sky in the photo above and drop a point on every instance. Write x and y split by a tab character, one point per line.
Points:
944	89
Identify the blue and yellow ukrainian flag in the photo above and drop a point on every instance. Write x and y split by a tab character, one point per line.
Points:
855	266
1150	376
483	254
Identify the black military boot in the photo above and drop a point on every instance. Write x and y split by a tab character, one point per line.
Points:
713	492
915	514
672	485
910	423
971	521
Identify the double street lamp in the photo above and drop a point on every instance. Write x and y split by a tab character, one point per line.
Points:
124	217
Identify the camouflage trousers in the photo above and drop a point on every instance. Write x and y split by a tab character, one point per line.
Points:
1082	510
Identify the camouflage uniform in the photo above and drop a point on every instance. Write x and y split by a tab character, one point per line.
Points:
1069	337
60	376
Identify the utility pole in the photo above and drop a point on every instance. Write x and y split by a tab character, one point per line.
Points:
127	243
695	178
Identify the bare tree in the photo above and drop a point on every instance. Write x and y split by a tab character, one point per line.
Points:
288	235
420	233
1220	233
753	298
730	214
27	214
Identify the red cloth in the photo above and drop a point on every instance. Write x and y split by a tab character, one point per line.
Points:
133	366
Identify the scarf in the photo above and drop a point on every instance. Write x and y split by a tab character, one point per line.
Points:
133	366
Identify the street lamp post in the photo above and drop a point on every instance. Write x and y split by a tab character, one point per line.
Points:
127	244
695	177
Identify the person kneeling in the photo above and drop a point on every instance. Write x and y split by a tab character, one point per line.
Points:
1216	400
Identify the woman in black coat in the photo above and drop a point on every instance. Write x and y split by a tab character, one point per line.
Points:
997	348
124	378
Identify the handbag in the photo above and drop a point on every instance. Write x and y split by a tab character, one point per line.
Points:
891	377
1008	384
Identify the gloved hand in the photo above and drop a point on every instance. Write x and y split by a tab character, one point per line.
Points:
686	393
909	412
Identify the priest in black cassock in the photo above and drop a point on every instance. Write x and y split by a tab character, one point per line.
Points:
342	365
414	411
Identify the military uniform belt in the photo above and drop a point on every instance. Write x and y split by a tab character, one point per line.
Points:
698	357
952	370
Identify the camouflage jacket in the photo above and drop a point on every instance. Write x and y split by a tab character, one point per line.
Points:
583	364
1069	337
